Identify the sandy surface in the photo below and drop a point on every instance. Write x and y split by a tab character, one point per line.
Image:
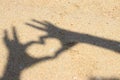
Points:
100	18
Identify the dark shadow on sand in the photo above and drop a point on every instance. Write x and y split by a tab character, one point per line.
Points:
68	38
18	59
103	78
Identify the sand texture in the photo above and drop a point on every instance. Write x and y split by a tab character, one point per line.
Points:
59	39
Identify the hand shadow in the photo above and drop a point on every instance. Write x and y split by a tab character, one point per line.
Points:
18	59
68	38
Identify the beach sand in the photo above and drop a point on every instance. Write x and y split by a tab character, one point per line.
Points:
100	18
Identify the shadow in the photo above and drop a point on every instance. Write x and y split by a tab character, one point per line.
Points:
18	59
68	38
102	78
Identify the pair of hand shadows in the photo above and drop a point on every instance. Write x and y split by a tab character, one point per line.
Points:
18	59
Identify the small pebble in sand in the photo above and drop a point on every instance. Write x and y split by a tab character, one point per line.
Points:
52	49
74	78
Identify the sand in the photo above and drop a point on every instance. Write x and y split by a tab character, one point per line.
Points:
83	61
